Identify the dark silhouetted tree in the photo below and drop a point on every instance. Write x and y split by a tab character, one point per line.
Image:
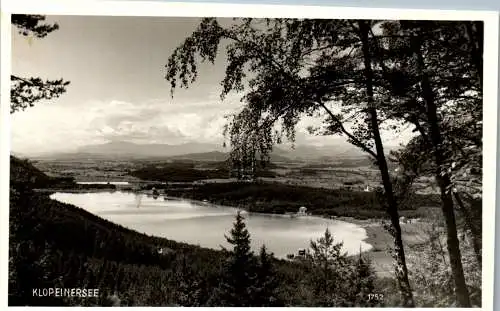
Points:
289	69
336	279
439	69
239	276
267	281
26	91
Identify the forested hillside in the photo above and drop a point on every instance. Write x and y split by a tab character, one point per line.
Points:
52	244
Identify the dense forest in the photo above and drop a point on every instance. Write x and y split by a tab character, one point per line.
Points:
182	171
359	78
52	244
265	197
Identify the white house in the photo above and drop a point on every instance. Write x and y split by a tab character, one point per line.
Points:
302	211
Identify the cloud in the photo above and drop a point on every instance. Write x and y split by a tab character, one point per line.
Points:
58	127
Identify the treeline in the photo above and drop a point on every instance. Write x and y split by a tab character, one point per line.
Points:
180	172
188	172
360	78
280	198
52	244
23	172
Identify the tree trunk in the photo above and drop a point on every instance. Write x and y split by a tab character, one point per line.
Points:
475	232
443	180
392	206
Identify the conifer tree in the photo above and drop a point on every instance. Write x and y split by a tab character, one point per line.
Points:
328	269
267	281
364	284
189	291
299	67
237	287
336	279
25	91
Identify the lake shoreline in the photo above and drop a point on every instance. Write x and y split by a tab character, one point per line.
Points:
376	235
349	220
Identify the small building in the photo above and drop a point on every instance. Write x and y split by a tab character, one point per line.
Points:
302	211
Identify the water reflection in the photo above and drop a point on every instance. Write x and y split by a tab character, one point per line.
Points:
203	224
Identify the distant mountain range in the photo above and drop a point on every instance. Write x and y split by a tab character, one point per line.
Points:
122	148
199	152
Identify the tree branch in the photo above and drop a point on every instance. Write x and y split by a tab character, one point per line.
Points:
352	137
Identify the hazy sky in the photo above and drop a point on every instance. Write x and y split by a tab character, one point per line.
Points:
118	91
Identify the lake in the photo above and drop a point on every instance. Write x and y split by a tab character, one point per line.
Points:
205	224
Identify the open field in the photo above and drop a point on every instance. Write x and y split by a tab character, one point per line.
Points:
346	175
414	235
343	191
337	192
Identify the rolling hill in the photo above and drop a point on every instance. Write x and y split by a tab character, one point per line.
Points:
201	152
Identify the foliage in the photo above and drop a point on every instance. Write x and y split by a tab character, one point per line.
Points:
430	272
26	91
438	69
84	249
294	68
55	244
454	74
238	278
268	281
31	25
52	244
338	281
378	74
179	173
280	198
187	172
246	280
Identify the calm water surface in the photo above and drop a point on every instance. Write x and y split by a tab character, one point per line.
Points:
205	224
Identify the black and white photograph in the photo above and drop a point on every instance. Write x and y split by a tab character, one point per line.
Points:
316	160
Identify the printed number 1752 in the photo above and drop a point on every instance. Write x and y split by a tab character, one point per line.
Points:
375	297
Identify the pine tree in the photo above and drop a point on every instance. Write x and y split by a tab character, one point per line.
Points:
298	67
25	92
364	283
267	281
336	279
328	269
237	287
